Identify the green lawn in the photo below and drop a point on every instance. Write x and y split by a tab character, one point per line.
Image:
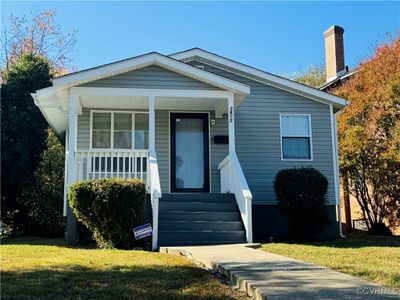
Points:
376	259
46	269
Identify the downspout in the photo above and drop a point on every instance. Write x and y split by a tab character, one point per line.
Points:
335	139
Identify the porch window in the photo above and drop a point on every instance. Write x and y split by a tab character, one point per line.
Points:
101	130
296	137
120	130
141	131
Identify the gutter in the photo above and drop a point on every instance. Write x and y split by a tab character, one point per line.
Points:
41	106
38	104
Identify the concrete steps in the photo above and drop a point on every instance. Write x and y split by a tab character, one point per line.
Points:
199	219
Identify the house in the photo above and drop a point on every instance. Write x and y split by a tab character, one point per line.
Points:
337	74
206	133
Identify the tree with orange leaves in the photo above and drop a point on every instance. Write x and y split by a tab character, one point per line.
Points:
37	35
369	137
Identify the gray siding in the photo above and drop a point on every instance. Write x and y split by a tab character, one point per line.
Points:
258	135
83	132
151	77
257	129
217	151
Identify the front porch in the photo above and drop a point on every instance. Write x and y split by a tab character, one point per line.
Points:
156	158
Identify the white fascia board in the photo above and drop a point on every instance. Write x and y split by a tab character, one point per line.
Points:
47	101
146	60
281	81
44	110
46	92
47	97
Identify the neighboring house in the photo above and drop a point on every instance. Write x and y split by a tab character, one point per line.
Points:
337	73
206	133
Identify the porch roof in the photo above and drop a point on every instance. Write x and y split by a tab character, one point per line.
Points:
53	101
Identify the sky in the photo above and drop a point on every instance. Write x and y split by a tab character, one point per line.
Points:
278	37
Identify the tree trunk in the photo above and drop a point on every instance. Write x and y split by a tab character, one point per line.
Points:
346	202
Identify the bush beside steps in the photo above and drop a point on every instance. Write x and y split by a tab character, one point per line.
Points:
110	208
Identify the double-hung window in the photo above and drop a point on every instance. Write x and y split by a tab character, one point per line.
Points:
120	130
101	130
296	137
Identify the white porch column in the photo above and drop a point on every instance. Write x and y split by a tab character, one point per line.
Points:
66	154
152	123
72	171
231	123
152	153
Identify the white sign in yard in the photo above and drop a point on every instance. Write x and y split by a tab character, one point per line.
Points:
142	231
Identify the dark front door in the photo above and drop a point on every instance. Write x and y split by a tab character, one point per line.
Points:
189	152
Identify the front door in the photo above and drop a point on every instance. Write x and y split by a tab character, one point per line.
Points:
189	153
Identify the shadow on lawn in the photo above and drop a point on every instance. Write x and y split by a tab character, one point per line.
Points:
31	240
118	282
357	241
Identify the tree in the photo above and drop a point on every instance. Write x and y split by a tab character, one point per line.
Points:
23	133
43	197
39	35
313	76
369	137
33	51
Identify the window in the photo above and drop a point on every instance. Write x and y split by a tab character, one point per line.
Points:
101	135
120	130
141	131
296	137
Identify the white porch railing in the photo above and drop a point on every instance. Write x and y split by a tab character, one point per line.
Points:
233	181
155	194
94	164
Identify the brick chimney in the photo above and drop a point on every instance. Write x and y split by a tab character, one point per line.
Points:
334	52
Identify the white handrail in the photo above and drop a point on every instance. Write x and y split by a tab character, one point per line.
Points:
234	181
155	193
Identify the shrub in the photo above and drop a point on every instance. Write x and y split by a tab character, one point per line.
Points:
110	208
380	229
301	194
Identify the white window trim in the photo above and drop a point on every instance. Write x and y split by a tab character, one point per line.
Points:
133	113
309	136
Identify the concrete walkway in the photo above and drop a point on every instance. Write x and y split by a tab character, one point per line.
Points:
265	275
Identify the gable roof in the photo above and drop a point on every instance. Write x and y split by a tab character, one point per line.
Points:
257	74
53	100
152	58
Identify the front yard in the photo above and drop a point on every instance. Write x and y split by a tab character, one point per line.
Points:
376	259
46	269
